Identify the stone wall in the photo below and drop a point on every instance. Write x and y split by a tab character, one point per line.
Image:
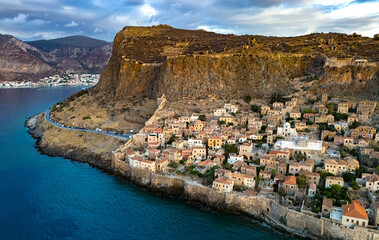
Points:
265	209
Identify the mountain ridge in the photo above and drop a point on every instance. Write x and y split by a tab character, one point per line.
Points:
33	60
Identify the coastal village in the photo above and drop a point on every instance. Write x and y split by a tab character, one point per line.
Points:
67	79
317	154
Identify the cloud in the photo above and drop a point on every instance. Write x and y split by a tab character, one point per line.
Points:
31	19
72	24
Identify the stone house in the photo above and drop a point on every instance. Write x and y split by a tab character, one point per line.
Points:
266	176
311	177
348	142
352	164
198	125
223	173
237	165
354	214
186	153
339	140
363	143
280	155
277	105
335	167
330	180
329	134
248	181
327	205
219	112
372	183
161	165
295	114
323	110
290	184
324	98
343	108
149	165
246	149
249	170
199	152
264	109
282	168
352	118
222	184
354	134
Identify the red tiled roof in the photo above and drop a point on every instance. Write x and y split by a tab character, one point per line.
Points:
354	210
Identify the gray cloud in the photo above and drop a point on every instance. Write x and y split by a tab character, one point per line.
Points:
34	19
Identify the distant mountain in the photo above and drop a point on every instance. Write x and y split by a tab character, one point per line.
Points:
20	61
71	41
34	59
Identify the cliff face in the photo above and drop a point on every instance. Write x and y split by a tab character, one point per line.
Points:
350	80
230	76
150	61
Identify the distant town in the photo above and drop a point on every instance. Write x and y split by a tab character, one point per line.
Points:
66	79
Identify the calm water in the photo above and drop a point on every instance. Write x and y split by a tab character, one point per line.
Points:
45	197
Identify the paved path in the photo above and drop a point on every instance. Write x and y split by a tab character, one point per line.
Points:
112	134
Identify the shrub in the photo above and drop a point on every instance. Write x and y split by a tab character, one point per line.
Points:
86	117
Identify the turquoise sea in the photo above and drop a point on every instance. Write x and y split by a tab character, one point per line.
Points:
44	197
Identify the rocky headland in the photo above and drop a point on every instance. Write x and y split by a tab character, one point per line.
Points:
195	65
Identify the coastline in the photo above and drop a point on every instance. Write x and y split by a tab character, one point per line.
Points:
266	211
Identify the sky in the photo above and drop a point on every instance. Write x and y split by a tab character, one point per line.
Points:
102	19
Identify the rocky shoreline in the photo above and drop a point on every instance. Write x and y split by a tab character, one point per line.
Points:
36	130
266	211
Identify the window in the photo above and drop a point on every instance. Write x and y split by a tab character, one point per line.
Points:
347	220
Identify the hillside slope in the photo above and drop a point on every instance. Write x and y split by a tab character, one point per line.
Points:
32	60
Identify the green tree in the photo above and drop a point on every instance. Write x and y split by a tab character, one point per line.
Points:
54	108
355	185
335	189
247	98
282	191
230	148
355	124
171	140
209	176
255	108
349	177
301	181
202	117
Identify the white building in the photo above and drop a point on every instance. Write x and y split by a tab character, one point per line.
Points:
313	149
195	142
230	108
287	132
234	158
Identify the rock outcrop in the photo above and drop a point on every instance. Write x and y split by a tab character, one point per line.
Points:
151	61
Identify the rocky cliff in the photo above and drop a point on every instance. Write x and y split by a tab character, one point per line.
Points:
150	61
32	60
